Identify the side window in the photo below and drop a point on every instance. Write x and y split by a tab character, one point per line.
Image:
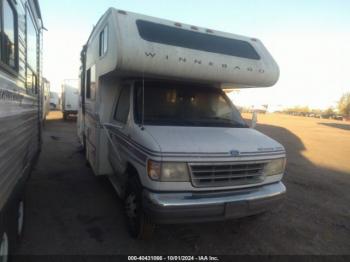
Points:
35	83
88	84
123	106
8	39
91	83
103	41
32	55
31	82
32	41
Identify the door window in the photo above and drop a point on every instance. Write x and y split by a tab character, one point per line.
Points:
123	106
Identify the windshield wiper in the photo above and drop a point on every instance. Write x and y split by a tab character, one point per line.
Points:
226	121
171	121
215	118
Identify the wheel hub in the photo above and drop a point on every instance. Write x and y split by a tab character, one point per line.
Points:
131	206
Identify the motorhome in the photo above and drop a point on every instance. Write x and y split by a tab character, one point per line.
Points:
70	98
156	121
20	111
45	98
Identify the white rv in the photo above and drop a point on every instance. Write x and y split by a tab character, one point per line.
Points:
156	121
20	111
70	98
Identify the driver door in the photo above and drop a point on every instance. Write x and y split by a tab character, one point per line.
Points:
120	130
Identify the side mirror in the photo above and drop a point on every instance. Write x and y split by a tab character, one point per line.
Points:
254	119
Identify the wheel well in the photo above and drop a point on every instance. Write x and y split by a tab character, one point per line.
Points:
132	176
131	170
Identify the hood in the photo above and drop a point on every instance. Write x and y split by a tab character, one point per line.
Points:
173	139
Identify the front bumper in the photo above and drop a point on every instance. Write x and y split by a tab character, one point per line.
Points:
170	208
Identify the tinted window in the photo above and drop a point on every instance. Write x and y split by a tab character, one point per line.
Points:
168	35
8	35
123	106
185	105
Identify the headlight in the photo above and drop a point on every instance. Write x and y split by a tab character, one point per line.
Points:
174	172
275	167
168	171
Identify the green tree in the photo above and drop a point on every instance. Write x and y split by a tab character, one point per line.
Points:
298	110
328	113
344	104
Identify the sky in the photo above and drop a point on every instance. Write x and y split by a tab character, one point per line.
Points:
310	41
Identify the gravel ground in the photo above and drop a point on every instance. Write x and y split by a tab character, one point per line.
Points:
71	212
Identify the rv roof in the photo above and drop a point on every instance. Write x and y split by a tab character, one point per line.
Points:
144	45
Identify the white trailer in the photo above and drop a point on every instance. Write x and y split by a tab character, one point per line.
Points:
20	111
155	120
70	98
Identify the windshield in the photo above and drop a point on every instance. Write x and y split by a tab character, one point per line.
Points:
185	105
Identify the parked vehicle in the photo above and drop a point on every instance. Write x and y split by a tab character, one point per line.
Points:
70	98
20	112
338	117
156	121
45	97
55	101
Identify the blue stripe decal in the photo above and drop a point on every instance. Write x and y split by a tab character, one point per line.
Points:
132	157
139	155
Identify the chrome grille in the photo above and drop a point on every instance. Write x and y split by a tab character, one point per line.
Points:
226	174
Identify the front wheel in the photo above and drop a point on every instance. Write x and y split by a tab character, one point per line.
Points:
139	224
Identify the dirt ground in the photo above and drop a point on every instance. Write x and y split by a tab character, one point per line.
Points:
69	211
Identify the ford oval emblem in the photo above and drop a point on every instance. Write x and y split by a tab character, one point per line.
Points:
234	153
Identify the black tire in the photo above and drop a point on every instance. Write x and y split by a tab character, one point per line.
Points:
16	224
4	247
13	224
139	224
21	215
